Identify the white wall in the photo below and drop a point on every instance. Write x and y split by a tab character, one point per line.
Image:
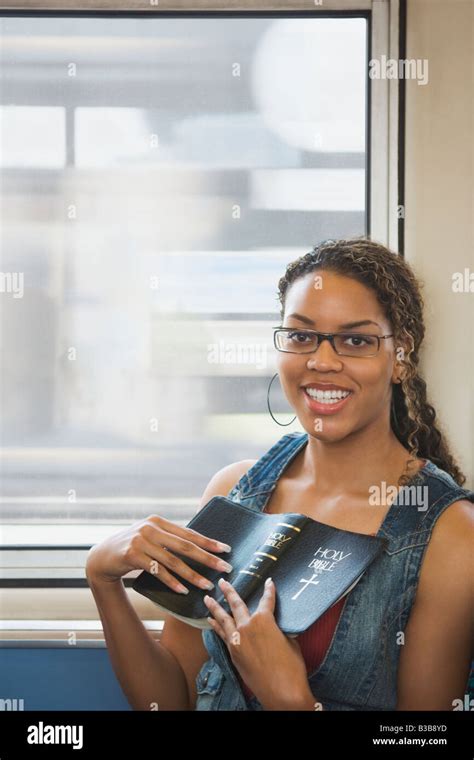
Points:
439	208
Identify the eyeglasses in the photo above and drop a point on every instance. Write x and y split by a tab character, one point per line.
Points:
293	341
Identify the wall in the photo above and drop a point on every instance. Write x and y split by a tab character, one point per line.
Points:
439	206
39	677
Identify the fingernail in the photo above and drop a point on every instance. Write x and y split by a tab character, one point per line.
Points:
206	584
182	589
225	566
268	581
225	547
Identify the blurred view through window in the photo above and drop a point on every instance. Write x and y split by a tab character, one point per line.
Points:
158	174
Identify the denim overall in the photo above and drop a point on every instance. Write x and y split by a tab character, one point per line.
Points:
359	670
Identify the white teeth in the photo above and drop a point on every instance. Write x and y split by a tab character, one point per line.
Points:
326	397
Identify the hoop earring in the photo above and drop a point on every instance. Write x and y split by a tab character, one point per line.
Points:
283	424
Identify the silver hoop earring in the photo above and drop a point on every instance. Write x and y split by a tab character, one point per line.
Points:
283	424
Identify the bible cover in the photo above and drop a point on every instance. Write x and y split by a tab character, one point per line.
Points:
312	565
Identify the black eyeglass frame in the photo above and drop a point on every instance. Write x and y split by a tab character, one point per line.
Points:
327	336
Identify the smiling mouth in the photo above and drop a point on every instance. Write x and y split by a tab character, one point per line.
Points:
326	402
326	397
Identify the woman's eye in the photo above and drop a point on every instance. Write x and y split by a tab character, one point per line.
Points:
360	340
298	337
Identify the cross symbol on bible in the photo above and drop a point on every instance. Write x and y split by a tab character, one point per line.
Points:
303	580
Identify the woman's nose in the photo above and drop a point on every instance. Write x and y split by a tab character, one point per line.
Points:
325	357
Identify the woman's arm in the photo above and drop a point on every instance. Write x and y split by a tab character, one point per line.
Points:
153	675
149	675
436	656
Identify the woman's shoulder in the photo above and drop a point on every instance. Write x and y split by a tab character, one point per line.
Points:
450	545
455	524
225	479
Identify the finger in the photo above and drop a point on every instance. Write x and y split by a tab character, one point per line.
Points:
267	601
145	562
160	557
222	618
160	537
239	609
211	544
216	627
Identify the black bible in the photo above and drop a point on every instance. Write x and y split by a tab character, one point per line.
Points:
313	565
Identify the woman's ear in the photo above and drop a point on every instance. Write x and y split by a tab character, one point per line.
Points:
398	373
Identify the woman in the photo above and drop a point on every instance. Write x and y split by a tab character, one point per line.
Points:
401	638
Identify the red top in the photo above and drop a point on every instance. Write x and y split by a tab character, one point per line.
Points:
315	641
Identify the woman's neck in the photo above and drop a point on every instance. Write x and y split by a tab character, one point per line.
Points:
355	463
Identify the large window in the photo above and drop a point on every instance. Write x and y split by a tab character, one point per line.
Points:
158	174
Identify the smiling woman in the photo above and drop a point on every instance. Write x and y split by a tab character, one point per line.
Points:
400	639
360	277
369	429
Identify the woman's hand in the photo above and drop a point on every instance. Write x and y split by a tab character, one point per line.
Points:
270	663
150	545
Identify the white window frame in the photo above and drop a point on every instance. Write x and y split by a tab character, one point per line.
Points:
23	618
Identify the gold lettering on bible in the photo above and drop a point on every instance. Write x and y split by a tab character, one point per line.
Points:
276	539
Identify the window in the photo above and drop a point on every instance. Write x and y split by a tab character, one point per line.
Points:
159	173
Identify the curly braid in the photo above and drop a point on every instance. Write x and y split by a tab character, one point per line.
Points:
412	418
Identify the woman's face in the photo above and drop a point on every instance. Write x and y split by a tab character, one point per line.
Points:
329	305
